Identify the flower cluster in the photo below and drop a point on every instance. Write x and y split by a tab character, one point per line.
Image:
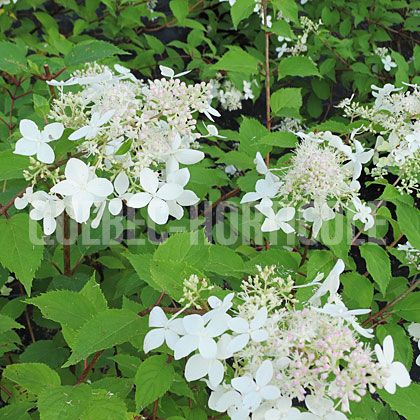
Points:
412	255
135	132
393	118
229	96
278	352
385	57
323	171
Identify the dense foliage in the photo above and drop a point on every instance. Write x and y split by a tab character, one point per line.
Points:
208	209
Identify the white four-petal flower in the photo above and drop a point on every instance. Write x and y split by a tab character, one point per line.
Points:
94	127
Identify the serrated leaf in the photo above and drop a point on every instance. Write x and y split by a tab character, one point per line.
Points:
12	58
224	261
409	307
105	330
237	60
12	166
409	222
104	405
378	264
66	307
153	378
405	401
7	323
92	291
241	10
45	351
279	139
297	66
35	377
64	402
18	253
179	9
286	102
92	50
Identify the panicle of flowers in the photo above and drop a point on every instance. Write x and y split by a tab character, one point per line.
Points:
393	119
193	287
229	96
324	172
279	353
412	255
136	133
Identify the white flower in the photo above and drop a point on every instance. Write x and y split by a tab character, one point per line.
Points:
164	330
168	72
177	155
363	213
197	366
231	170
265	189
357	159
125	72
388	63
398	373
201	337
21	202
155	197
340	310
248	330
84	188
93	129
46	208
254	392
121	184
35	142
276	221
212	131
248	91
281	50
262	167
186	197
319	213
321	409
330	284
281	409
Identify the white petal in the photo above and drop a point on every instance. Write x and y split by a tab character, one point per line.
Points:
197	367
286	228
139	200
259	335
20	203
189	156
216	372
388	346
400	375
251	196
77	171
270	225
29	129
207	348
171	339
158	211
115	206
100	187
270	392
45	153
238	325
49	225
285	214
149	180
52	131
121	183
188	198
259	319
64	188
243	384
181	177
166	71
238	343
106	117
157	317
82	202
153	339
252	400
80	133
185	346
25	147
175	209
193	324
264	373
169	191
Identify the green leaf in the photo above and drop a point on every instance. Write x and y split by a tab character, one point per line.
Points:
12	58
11	165
409	221
45	351
281	139
33	376
286	102
378	264
92	50
153	378
224	261
357	288
107	329
405	401
288	8
237	60
179	9
297	66
409	307
241	10
20	248
104	405
64	402
7	323
16	411
66	307
241	160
